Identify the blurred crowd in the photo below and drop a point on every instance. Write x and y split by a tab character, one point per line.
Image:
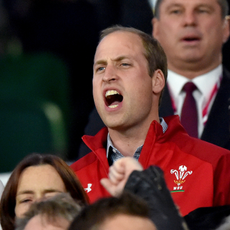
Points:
132	174
46	48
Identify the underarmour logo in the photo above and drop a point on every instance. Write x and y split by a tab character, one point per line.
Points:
88	189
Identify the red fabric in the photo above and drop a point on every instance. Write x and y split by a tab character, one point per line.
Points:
206	167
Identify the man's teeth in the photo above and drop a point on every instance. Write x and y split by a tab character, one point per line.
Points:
110	92
113	98
112	106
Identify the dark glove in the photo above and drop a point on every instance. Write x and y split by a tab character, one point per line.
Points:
150	185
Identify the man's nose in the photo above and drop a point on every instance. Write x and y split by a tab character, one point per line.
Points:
190	18
110	73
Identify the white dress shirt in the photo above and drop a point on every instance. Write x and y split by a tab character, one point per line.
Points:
204	95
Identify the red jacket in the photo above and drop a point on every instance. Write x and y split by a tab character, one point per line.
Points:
196	172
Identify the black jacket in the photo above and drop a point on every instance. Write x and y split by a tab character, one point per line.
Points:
151	187
217	128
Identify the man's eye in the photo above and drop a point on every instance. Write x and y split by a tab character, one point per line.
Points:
175	12
203	11
125	64
99	69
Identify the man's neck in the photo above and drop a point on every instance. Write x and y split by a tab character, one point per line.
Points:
190	70
128	140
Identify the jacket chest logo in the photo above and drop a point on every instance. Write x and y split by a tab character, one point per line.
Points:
180	175
88	189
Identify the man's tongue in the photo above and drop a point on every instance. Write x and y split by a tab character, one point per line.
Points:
114	104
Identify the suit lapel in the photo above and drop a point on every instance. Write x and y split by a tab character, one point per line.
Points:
217	127
166	108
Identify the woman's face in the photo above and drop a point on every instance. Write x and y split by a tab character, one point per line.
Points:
36	183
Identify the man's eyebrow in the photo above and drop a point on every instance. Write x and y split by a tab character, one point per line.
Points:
205	5
103	62
173	5
100	62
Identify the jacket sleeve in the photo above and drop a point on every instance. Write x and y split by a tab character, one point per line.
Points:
150	186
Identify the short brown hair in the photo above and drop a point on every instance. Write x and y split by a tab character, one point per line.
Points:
94	215
8	200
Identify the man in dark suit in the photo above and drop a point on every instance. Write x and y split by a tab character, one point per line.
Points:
192	34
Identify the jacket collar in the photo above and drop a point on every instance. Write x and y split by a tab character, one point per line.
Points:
155	134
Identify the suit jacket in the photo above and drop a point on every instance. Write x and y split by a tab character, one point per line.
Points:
216	130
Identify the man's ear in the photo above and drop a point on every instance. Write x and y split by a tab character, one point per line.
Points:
158	81
226	28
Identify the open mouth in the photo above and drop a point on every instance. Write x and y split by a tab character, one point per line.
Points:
113	98
190	39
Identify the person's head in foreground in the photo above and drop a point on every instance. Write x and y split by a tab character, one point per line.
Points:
55	213
37	177
129	74
126	212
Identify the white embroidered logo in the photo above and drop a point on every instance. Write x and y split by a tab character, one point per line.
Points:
88	189
180	174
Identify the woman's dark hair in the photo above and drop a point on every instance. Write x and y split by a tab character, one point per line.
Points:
8	200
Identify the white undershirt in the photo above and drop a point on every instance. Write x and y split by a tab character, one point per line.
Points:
205	84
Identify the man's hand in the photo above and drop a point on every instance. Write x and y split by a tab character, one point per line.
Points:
119	173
